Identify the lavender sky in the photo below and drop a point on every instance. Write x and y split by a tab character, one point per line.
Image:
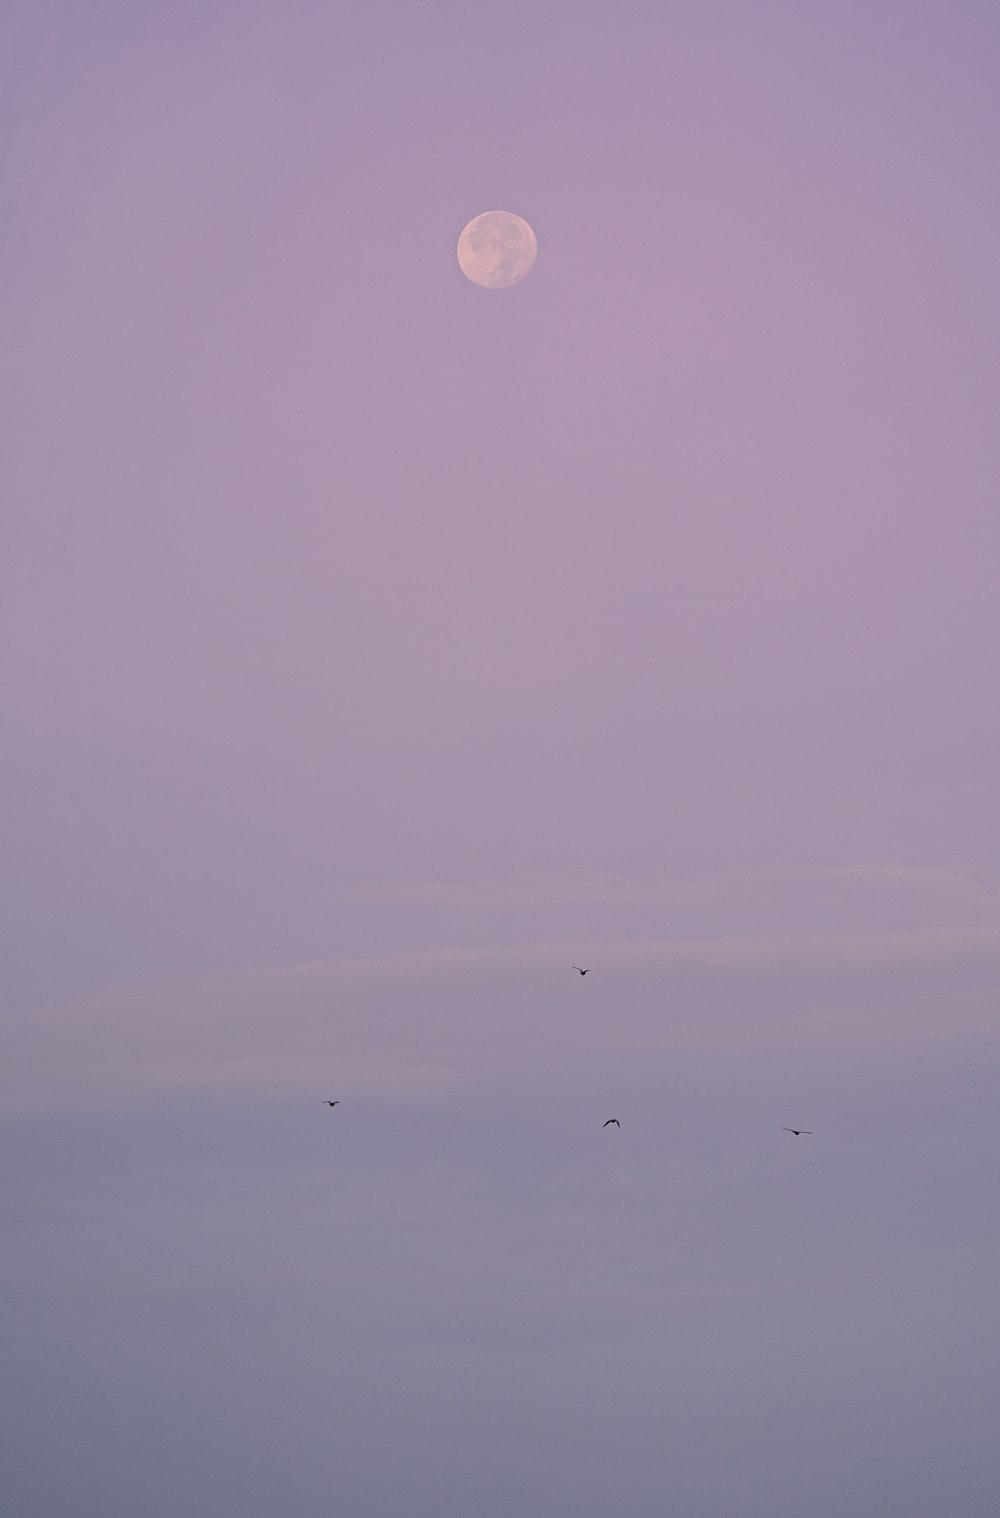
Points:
375	647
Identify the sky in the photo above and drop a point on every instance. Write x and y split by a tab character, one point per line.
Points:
376	647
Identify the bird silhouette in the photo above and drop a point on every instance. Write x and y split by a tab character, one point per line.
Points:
796	1131
332	1104
610	1121
582	972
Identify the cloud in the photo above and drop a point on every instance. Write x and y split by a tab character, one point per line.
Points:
544	890
893	883
435	1023
889	876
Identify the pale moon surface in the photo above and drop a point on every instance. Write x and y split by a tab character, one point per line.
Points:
497	249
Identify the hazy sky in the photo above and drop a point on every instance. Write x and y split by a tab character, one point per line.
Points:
375	647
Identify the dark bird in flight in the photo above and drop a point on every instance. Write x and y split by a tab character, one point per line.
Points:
796	1131
332	1104
610	1121
582	972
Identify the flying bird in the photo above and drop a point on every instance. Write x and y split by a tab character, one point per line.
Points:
610	1121
328	1103
796	1131
582	972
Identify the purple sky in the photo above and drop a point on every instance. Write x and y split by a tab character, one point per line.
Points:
375	647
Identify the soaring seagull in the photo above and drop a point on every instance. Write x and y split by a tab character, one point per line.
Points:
582	972
796	1131
610	1121
332	1104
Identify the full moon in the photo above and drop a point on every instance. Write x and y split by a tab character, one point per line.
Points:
496	249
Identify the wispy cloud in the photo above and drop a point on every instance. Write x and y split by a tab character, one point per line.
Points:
890	879
894	877
429	1022
543	890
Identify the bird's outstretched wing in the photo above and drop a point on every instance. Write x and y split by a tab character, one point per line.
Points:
610	1121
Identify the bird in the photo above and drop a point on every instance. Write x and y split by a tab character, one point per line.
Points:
328	1103
796	1131
582	972
610	1121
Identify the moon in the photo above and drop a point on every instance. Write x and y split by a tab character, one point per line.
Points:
497	249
